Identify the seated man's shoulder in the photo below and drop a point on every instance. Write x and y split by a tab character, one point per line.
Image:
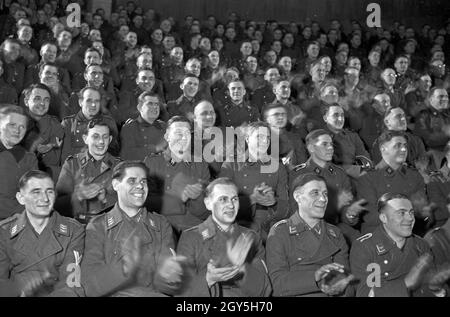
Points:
66	225
6	224
279	228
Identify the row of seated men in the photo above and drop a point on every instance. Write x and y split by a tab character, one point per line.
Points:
130	251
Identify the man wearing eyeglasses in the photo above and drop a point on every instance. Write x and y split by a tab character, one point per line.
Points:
392	261
84	185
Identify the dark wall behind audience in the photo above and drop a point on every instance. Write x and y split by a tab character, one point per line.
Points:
412	12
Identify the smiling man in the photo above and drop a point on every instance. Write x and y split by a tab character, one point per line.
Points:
129	251
41	242
392	255
223	258
304	251
74	126
84	185
14	159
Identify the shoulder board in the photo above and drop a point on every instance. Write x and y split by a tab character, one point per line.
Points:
274	227
129	121
70	157
69	117
7	221
191	228
364	237
332	230
299	167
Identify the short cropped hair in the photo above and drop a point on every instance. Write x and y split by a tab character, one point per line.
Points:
119	169
386	198
219	181
23	181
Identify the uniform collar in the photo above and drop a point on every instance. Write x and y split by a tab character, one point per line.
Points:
115	216
298	225
384	242
55	222
144	123
317	169
209	228
382	165
107	161
168	158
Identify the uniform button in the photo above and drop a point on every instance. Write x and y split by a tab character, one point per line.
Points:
168	187
385	261
78	131
168	175
386	274
77	140
245	187
245	175
299	259
388	185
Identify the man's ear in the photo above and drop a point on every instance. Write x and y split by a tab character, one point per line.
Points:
20	198
382	218
115	183
296	196
84	138
208	203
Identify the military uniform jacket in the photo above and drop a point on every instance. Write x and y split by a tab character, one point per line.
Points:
58	250
247	175
101	269
7	93
13	164
183	106
429	127
43	132
439	241
263	96
167	180
384	179
416	149
172	75
348	148
336	180
140	138
207	241
231	115
83	167
438	189
74	128
294	253
379	249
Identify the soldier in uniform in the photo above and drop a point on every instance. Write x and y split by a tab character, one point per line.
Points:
128	249
184	104
433	123
307	256
292	149
391	261
94	77
391	174
439	239
145	134
265	94
7	92
74	126
177	179
14	71
395	120
14	159
235	110
41	240
48	55
223	258
145	81
341	209
172	73
349	151
84	185
263	193
44	132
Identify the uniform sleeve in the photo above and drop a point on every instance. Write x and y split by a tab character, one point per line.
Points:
129	149
365	190
5	261
287	282
196	284
67	143
64	286
197	206
167	243
99	278
65	187
282	208
431	138
256	279
360	259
